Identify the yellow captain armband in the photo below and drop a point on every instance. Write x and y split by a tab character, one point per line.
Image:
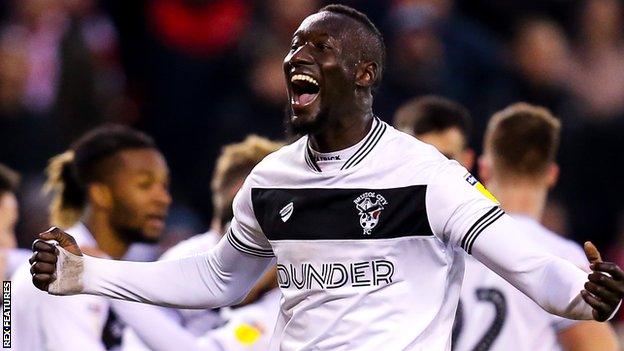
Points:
485	192
247	334
474	182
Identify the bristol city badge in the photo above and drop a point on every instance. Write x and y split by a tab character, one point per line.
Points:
369	206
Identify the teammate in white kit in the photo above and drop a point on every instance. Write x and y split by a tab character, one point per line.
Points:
366	224
247	328
493	315
110	192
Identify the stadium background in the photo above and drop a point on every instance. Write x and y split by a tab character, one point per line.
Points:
197	74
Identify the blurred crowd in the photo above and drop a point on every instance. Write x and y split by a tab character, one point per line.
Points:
197	74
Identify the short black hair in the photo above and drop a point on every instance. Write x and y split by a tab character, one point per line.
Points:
9	180
103	142
375	48
71	172
433	114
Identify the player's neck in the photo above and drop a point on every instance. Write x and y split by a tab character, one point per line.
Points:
216	226
520	197
107	239
343	132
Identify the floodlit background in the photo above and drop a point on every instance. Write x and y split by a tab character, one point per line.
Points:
197	74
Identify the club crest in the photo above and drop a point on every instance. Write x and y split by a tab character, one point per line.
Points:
369	206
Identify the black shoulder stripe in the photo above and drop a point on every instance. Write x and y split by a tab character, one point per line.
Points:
241	246
475	230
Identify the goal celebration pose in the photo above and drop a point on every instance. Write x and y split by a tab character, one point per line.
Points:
365	222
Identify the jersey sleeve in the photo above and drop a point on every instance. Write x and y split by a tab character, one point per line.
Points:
245	233
220	277
459	208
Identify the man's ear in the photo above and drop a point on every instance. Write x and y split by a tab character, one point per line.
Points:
552	175
100	195
485	168
366	74
468	159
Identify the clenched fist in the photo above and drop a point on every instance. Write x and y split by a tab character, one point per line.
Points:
57	268
603	292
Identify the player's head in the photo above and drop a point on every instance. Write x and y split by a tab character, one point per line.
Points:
233	165
9	214
115	172
520	145
335	61
440	122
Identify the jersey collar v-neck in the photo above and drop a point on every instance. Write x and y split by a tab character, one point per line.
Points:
346	158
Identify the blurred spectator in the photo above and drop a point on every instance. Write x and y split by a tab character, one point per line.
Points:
13	74
260	106
58	76
91	83
436	50
598	75
198	27
540	61
592	152
275	22
39	25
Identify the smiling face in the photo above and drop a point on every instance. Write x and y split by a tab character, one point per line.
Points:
320	70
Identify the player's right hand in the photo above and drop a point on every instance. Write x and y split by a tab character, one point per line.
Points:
45	259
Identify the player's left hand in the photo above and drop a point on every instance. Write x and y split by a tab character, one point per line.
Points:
603	292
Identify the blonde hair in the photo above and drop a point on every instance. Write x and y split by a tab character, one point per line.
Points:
69	199
234	164
523	139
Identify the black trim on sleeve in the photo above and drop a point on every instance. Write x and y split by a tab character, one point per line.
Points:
479	226
242	247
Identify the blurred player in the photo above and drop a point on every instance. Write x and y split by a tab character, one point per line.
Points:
111	190
523	324
440	122
518	165
249	327
366	223
10	256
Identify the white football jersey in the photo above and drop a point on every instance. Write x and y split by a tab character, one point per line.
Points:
367	253
46	322
494	315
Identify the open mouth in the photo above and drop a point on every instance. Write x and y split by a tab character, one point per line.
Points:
305	89
156	218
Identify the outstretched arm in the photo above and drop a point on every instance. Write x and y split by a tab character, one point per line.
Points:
463	213
555	284
220	277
